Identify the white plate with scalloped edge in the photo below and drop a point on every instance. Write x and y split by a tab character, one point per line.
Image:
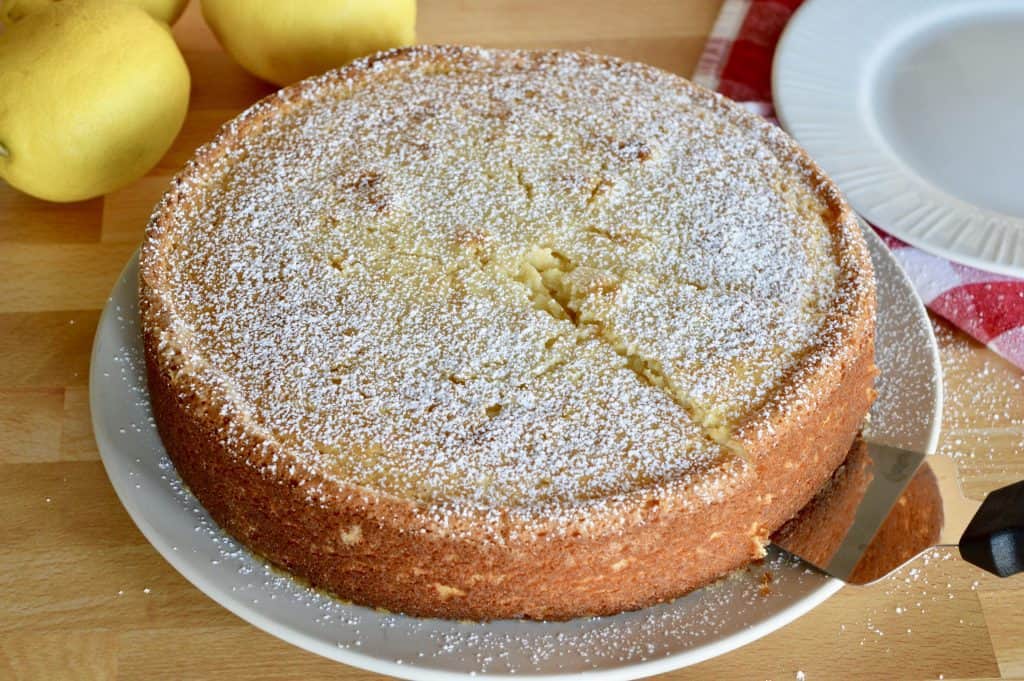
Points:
914	108
709	622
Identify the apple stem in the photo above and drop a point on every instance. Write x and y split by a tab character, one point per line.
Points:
3	151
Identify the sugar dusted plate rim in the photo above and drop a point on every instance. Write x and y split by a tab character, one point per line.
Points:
697	627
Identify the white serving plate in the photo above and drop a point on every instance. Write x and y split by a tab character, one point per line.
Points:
915	109
699	626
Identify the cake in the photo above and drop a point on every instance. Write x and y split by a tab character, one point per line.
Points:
484	334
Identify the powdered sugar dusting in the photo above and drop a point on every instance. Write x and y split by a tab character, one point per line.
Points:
351	274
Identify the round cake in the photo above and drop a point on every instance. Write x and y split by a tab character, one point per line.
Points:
481	334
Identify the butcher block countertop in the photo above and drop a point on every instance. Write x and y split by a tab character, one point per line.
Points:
84	595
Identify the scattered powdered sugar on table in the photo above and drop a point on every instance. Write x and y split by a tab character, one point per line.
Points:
980	383
927	583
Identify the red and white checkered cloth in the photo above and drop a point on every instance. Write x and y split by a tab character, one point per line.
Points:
737	61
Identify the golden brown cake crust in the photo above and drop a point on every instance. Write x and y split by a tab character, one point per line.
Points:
381	550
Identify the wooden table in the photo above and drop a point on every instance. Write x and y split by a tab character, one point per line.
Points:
82	594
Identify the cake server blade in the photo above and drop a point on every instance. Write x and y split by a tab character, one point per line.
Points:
886	505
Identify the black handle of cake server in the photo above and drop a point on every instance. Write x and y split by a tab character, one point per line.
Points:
994	539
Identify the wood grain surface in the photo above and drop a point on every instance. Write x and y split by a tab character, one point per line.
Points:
83	595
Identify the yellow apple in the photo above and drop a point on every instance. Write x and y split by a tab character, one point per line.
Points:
283	42
92	93
166	11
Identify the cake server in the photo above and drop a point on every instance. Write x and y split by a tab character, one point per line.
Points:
886	505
